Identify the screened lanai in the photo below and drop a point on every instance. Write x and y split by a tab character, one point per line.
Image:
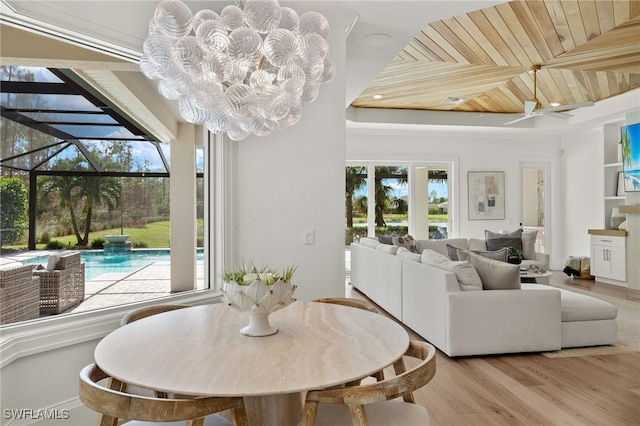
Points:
54	124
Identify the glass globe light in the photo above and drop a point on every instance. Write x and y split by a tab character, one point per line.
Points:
239	72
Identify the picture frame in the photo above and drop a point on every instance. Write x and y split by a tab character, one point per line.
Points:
630	139
486	195
621	189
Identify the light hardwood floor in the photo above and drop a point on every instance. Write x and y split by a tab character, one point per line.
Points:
532	389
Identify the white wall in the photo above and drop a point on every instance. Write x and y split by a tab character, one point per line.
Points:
293	180
583	201
472	151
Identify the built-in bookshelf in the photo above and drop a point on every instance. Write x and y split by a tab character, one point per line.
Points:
612	168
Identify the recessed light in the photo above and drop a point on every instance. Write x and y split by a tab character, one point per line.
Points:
377	96
377	40
555	104
455	101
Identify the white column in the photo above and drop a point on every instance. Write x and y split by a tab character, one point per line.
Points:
183	209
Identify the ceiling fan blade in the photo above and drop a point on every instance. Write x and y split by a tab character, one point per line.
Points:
561	115
519	119
566	107
529	107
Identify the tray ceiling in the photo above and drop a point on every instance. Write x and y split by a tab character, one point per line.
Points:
588	51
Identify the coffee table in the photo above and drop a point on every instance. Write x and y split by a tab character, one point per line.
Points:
535	277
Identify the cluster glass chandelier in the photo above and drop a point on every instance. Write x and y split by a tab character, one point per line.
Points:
246	70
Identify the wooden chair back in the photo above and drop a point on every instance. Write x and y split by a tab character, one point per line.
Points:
147	311
358	396
115	405
348	301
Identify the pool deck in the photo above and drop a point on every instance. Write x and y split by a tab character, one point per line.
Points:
111	289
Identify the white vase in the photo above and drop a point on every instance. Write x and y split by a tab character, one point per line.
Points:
258	300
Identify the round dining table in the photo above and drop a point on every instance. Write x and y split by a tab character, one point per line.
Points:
199	351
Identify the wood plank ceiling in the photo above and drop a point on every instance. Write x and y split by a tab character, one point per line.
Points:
588	50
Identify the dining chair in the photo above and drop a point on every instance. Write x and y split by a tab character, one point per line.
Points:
376	403
348	301
116	406
147	311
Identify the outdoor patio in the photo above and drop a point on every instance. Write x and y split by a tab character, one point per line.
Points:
112	289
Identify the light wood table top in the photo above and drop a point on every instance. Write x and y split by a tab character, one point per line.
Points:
200	350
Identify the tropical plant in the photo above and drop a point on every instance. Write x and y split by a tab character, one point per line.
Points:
626	147
245	275
356	180
79	194
13	210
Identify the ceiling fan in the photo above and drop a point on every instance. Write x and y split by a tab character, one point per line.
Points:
533	108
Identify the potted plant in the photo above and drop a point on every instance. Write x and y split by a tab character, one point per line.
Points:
258	292
514	255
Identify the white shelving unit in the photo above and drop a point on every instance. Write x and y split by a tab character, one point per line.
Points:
612	166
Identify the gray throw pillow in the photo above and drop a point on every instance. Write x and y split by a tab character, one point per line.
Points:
495	275
465	273
385	239
496	240
499	255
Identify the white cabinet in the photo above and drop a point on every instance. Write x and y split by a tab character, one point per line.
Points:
608	258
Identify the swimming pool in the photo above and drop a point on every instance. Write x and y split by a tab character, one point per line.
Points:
97	263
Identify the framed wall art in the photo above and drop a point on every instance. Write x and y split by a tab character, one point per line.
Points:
486	195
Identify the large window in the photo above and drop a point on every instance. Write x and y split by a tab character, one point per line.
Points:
400	199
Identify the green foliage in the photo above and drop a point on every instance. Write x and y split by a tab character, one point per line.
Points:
13	210
245	275
45	238
55	245
98	243
139	244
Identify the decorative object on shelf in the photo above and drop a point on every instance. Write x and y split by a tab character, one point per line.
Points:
486	195
620	192
258	292
616	218
630	136
514	255
244	71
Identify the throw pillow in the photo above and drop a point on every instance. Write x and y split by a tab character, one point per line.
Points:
385	239
406	254
452	252
495	275
500	255
407	241
465	273
496	240
52	262
529	244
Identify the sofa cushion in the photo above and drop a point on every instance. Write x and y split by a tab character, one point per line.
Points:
440	246
580	307
497	240
407	254
477	244
407	241
391	249
529	244
369	242
500	255
468	278
495	275
52	262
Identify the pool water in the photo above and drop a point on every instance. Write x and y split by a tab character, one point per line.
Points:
97	263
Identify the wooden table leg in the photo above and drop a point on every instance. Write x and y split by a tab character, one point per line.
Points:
281	410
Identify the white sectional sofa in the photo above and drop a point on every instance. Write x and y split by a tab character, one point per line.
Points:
431	302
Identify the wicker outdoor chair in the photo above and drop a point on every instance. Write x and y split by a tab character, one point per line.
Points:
19	293
63	287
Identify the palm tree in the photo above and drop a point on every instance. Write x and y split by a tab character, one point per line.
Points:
75	191
356	180
383	192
